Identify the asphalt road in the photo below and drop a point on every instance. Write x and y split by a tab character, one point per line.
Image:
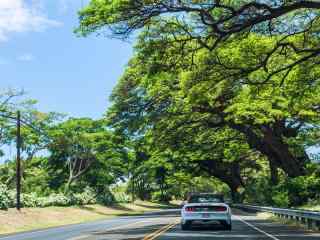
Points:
164	226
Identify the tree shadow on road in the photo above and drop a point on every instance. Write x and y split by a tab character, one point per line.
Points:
128	233
160	206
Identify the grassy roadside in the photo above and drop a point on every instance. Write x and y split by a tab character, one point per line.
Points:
311	207
12	221
281	220
284	221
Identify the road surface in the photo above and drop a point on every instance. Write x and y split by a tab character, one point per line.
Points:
165	226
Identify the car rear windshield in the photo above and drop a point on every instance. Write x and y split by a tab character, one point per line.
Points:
210	198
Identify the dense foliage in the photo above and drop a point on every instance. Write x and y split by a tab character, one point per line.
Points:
227	89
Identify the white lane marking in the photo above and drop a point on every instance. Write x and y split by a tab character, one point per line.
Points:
126	225
257	229
79	238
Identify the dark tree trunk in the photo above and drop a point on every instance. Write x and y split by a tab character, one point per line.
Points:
272	145
235	195
292	165
228	173
274	174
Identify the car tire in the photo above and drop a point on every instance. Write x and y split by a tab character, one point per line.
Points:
186	226
227	226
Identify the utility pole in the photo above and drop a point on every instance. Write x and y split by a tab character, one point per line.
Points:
18	169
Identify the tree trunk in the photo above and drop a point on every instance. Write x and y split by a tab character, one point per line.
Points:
68	184
292	165
235	195
272	145
228	173
274	175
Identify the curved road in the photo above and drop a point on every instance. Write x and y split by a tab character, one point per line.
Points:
164	226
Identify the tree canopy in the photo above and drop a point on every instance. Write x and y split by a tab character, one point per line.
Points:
209	24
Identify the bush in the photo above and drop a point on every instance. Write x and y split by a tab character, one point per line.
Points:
159	197
281	199
290	192
4	197
88	196
105	197
121	197
303	189
30	200
56	199
258	191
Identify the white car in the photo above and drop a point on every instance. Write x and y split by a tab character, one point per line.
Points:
205	208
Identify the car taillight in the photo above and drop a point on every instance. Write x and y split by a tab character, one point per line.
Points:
220	209
190	209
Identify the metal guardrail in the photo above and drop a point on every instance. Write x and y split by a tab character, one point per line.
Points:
309	218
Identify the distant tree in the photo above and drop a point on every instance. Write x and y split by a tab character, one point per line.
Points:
85	149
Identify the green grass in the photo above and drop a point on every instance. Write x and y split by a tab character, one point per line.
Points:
12	221
312	207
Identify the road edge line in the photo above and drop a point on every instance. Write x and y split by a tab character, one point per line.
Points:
257	229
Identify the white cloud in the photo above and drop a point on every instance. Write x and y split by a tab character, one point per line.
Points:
18	16
26	57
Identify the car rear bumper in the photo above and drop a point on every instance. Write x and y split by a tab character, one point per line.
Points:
200	217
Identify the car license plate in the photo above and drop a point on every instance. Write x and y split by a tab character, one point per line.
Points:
205	215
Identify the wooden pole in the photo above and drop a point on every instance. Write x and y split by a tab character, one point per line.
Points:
18	169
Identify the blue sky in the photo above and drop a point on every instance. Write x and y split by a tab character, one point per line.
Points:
41	54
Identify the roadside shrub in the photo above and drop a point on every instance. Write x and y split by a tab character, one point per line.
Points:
56	199
106	197
4	197
121	197
258	191
30	200
301	190
281	199
88	196
160	197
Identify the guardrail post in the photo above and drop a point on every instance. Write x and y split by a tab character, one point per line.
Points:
314	225
318	225
309	224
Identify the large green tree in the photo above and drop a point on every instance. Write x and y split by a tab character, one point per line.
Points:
165	92
210	24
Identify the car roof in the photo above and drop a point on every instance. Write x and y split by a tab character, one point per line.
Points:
212	194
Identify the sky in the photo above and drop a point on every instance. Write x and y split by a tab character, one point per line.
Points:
41	54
